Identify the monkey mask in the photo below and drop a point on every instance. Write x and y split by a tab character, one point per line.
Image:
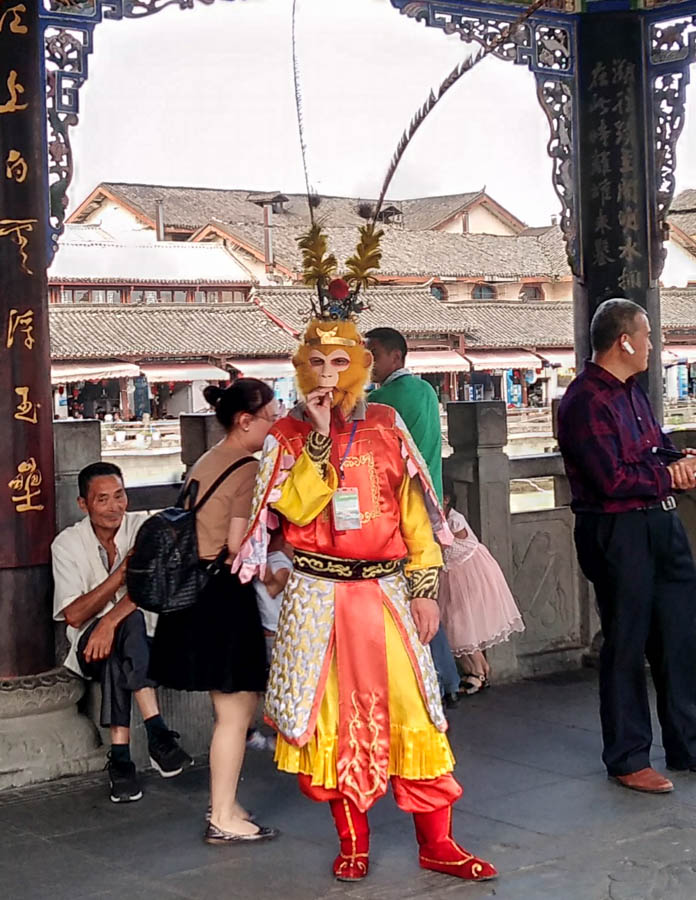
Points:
333	356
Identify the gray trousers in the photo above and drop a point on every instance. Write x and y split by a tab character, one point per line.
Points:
122	672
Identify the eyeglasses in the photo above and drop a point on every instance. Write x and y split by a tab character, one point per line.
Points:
272	419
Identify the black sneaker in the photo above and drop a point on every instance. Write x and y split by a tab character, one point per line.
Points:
123	782
166	755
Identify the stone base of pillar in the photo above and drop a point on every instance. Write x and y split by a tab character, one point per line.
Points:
42	734
550	662
504	662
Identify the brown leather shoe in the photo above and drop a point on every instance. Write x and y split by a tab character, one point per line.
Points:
647	780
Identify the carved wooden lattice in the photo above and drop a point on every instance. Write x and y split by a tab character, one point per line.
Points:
546	47
545	44
672	50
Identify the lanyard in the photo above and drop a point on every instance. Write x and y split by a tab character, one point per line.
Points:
350	444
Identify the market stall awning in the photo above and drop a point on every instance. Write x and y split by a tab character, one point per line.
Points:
498	360
424	361
670	357
183	372
91	371
559	359
264	368
682	352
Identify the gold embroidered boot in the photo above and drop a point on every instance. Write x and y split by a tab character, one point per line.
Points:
354	834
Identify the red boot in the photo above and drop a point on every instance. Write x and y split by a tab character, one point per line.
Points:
354	833
440	852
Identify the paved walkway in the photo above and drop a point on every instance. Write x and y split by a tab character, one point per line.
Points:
536	802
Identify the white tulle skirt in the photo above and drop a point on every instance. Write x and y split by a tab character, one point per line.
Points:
478	611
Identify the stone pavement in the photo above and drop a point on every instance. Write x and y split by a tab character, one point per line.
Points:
536	802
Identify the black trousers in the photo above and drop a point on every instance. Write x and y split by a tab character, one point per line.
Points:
641	566
123	671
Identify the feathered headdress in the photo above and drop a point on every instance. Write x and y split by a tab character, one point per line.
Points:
338	296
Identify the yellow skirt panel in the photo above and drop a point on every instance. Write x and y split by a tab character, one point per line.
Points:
417	749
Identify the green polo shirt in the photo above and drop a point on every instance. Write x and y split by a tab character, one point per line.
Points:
416	402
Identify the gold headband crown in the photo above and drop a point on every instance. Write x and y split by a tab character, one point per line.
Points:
331	337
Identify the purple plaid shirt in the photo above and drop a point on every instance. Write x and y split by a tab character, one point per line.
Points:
605	431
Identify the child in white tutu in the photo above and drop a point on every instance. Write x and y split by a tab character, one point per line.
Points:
477	608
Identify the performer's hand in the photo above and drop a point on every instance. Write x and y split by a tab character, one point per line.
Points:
318	407
426	615
101	640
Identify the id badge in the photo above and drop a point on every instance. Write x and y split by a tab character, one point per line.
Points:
346	509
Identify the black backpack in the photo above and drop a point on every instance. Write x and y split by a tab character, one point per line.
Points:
164	573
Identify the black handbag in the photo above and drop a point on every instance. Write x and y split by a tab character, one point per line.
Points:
164	572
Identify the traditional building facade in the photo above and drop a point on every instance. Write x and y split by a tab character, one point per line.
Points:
484	300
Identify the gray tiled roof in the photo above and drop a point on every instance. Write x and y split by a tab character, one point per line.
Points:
678	308
413	310
422	213
193	207
434	253
517	324
195	331
684	220
164	331
686	200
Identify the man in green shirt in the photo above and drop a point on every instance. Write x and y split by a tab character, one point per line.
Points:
413	398
417	404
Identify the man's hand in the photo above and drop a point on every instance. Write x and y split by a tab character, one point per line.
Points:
683	473
318	407
426	615
101	640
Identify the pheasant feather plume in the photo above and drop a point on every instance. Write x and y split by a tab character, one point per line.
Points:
363	264
434	98
318	264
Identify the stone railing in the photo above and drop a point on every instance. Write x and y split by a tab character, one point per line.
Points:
535	549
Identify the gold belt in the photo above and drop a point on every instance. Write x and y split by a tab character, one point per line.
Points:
334	569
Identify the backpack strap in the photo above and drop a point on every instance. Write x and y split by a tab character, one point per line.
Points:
219	480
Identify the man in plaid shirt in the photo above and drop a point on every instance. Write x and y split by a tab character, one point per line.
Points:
633	548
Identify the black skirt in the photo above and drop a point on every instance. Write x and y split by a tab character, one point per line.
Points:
215	645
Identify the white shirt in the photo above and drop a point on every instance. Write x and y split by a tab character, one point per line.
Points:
269	607
80	565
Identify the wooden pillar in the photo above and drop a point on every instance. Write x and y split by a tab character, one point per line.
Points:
27	515
617	214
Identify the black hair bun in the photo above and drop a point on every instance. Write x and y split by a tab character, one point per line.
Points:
213	394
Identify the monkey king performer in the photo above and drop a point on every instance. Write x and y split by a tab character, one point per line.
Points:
352	690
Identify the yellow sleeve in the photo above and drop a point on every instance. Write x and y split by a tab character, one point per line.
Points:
423	550
308	488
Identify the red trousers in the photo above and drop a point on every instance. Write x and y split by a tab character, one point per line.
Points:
422	796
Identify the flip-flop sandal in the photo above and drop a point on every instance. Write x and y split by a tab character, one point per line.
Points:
473	683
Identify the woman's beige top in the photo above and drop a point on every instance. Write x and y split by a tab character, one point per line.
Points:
230	501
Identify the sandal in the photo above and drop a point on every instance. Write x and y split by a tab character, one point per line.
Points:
473	683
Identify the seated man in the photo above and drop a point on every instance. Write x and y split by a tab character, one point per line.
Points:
107	632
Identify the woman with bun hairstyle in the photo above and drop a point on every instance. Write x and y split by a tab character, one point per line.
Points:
217	645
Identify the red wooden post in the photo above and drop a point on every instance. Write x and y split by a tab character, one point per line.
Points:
27	494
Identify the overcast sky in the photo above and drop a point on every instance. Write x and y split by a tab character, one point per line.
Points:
205	97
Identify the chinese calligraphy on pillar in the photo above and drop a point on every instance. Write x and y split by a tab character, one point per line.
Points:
26	451
614	168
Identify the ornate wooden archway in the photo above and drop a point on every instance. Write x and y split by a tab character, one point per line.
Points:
612	84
